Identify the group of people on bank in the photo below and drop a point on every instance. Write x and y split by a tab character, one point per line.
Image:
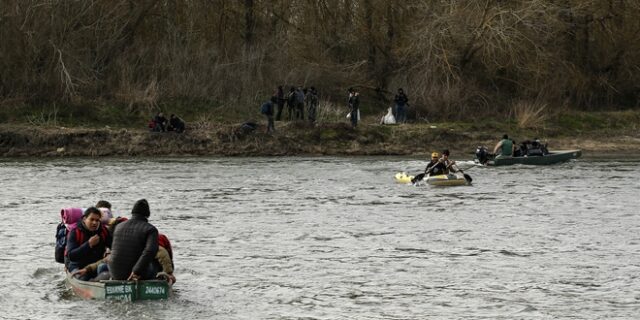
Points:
159	123
298	99
121	249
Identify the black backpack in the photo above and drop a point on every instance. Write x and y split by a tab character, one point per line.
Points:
265	108
61	242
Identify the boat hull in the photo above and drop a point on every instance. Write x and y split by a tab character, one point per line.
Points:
553	157
119	290
439	180
446	180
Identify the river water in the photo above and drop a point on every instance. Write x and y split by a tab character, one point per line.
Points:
336	238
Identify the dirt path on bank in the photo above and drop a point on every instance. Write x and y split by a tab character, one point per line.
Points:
290	139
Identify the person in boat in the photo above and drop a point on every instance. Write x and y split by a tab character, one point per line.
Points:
504	148
164	257
105	207
436	166
533	148
537	148
135	245
449	165
88	242
517	150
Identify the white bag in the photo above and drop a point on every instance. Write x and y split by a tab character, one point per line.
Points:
349	115
389	118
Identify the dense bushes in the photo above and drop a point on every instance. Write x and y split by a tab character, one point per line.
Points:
455	59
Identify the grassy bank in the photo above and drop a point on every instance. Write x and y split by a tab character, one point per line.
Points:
592	132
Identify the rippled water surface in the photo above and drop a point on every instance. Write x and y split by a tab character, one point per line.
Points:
336	238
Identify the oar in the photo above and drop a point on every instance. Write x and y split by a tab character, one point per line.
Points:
466	176
417	178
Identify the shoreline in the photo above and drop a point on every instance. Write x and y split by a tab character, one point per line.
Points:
290	139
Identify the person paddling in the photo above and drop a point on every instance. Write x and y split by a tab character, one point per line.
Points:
434	167
451	167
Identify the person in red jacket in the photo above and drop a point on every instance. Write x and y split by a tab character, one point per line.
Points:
88	242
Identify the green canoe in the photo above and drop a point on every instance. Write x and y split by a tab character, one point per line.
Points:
120	290
552	157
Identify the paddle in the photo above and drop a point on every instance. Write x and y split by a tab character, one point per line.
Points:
466	176
417	178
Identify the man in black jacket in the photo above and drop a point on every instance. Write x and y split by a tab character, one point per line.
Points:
354	105
135	244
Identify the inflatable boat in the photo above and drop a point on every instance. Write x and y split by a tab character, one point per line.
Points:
438	180
447	180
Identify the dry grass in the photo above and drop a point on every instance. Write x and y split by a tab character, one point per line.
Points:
331	112
530	115
44	118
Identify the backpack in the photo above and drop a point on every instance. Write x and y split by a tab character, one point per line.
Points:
265	109
61	242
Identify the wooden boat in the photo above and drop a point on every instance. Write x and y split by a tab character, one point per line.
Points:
119	290
552	157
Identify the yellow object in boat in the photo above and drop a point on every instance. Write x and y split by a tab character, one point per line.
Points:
402	177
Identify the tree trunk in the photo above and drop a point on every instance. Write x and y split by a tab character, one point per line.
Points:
250	23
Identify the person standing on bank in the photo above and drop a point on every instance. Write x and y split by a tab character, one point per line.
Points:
402	101
299	112
135	245
312	103
354	105
268	109
291	103
280	101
